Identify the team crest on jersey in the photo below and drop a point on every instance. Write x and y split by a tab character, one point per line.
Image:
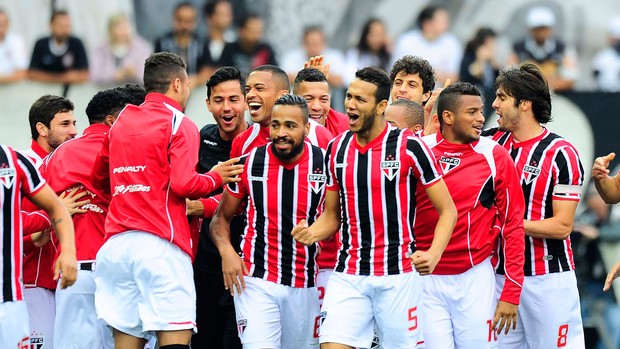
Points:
317	180
448	164
37	341
241	325
390	167
530	173
7	175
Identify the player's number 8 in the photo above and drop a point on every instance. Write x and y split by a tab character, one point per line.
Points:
562	334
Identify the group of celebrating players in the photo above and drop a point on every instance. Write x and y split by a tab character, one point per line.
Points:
406	222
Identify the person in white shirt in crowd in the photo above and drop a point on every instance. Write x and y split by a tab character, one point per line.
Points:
432	41
13	56
606	63
373	49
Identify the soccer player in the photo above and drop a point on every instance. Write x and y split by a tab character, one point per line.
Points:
66	169
215	311
373	171
403	113
264	86
551	178
51	124
275	281
144	278
19	176
312	84
489	204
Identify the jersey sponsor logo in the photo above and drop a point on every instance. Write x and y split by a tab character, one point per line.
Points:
390	168
92	208
131	188
208	142
316	181
530	173
448	163
7	175
123	169
241	325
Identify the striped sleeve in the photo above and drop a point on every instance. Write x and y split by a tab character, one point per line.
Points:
330	168
568	175
424	163
33	179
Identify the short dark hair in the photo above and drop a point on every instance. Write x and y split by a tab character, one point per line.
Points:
427	14
450	97
44	109
209	9
183	4
377	77
135	92
527	83
415	65
413	113
160	69
278	75
244	21
224	74
309	75
294	100
58	13
110	102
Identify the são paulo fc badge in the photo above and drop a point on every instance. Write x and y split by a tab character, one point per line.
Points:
316	180
7	175
390	168
448	164
241	324
530	173
36	341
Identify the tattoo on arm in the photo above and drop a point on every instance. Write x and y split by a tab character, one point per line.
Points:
56	221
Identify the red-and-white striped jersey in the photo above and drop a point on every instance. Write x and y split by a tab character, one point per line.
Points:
549	169
18	175
487	193
377	184
280	195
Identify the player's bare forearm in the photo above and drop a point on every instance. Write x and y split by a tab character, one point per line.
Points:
505	317
441	199
608	188
219	228
559	226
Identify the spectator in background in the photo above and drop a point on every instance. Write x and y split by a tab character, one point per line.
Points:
372	50
606	63
556	60
249	51
185	43
60	57
433	42
479	67
13	59
120	59
219	18
314	45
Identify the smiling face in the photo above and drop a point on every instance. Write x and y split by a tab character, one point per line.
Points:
467	121
409	87
62	129
318	98
227	104
261	94
288	130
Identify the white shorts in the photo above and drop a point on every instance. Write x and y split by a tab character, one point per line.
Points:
271	315
14	325
321	283
144	284
41	312
549	313
76	324
458	309
354	303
